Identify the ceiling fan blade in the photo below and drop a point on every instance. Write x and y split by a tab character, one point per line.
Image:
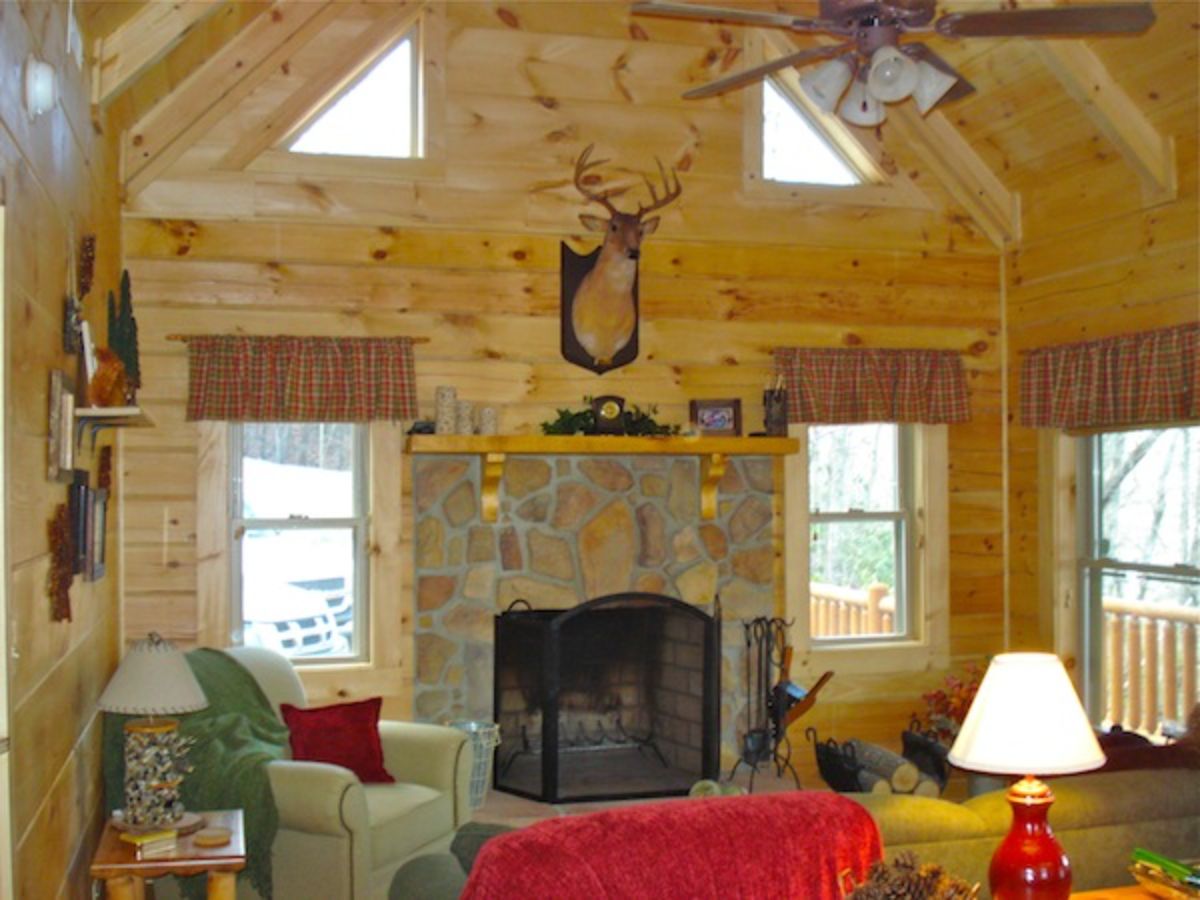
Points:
757	73
724	14
1116	18
961	88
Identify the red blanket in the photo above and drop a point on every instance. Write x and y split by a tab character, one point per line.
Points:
788	845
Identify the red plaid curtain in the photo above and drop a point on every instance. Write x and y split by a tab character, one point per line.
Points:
846	386
239	378
1149	378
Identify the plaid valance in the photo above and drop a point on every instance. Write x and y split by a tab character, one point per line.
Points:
839	386
240	378
1149	378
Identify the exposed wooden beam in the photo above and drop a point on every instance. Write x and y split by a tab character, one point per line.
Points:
213	90
960	170
317	91
142	41
1115	115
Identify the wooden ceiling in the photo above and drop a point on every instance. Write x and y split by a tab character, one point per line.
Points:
1095	119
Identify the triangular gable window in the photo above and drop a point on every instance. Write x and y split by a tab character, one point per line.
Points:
377	115
794	149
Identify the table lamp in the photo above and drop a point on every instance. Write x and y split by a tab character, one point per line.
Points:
153	680
1027	720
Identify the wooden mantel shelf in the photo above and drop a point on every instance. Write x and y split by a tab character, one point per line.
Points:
494	449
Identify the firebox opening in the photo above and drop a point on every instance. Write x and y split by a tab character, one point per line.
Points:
615	698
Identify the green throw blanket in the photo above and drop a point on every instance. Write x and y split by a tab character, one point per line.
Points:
236	736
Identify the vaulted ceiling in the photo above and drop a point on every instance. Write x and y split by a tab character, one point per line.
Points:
1055	124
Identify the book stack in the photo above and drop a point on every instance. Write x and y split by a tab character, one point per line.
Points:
151	844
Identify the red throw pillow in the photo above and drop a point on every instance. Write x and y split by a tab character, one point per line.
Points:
345	734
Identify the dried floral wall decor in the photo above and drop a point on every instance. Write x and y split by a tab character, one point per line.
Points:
62	564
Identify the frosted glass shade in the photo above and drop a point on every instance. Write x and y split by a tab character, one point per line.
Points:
153	679
932	84
825	84
860	108
1026	720
892	76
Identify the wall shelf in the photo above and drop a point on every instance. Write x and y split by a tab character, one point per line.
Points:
96	418
494	449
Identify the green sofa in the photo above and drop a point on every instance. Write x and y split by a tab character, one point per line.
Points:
1099	818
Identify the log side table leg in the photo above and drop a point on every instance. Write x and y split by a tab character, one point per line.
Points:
124	887
222	886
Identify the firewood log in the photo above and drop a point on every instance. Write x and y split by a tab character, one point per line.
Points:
927	787
872	783
901	773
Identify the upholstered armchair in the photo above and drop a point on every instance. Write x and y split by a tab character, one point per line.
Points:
339	839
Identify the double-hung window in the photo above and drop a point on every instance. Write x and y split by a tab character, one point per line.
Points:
299	536
859	524
1140	572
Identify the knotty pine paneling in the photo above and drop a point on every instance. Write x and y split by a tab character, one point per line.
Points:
60	182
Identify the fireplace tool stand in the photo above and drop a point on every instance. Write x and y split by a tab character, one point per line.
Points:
773	702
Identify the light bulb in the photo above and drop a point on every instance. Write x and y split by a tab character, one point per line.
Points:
40	89
893	75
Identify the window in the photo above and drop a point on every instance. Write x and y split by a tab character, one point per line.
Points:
299	535
793	148
378	115
858	532
1140	569
867	547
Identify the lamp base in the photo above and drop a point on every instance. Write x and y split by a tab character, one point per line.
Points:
154	767
1030	863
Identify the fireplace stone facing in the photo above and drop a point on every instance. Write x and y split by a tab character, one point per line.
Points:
572	529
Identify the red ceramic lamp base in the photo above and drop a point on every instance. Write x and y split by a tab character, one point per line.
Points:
1030	864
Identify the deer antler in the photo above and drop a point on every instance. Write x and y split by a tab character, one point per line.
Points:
672	191
581	167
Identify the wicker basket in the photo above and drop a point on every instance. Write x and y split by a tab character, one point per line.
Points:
485	738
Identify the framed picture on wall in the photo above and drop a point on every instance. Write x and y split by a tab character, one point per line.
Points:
61	451
717	418
97	529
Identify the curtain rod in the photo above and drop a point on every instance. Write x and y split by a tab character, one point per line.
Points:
184	338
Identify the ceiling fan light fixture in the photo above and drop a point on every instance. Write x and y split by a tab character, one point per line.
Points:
892	76
825	85
932	85
860	107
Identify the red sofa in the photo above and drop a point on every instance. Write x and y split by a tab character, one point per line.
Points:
797	844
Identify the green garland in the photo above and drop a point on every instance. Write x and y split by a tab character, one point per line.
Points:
635	420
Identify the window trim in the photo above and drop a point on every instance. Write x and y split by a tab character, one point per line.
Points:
927	642
359	526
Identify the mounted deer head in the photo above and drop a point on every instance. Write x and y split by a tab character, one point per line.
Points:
603	312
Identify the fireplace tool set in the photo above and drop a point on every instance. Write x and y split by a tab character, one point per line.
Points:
773	701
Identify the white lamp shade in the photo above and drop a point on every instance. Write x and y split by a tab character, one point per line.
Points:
932	84
153	679
892	75
40	88
1026	720
825	84
860	108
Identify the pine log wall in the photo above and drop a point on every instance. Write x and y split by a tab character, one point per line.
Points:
469	259
59	183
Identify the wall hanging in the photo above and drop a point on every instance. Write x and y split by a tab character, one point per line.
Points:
599	289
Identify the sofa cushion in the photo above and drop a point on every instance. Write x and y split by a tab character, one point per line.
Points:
1115	798
921	820
345	734
404	818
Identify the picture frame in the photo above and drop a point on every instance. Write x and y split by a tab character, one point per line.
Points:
61	445
97	528
717	418
80	510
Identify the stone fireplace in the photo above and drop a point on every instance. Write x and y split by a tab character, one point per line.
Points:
572	528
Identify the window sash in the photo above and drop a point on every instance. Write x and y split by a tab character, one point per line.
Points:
357	525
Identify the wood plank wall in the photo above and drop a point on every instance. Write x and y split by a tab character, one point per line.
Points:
468	257
59	182
1113	268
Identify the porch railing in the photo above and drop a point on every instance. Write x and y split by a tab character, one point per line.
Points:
836	611
1149	663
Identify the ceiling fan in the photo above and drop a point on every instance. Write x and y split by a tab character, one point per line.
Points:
871	65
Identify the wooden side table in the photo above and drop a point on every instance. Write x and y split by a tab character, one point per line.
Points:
124	874
1131	892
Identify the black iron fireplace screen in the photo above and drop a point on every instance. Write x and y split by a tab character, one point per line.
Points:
618	697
